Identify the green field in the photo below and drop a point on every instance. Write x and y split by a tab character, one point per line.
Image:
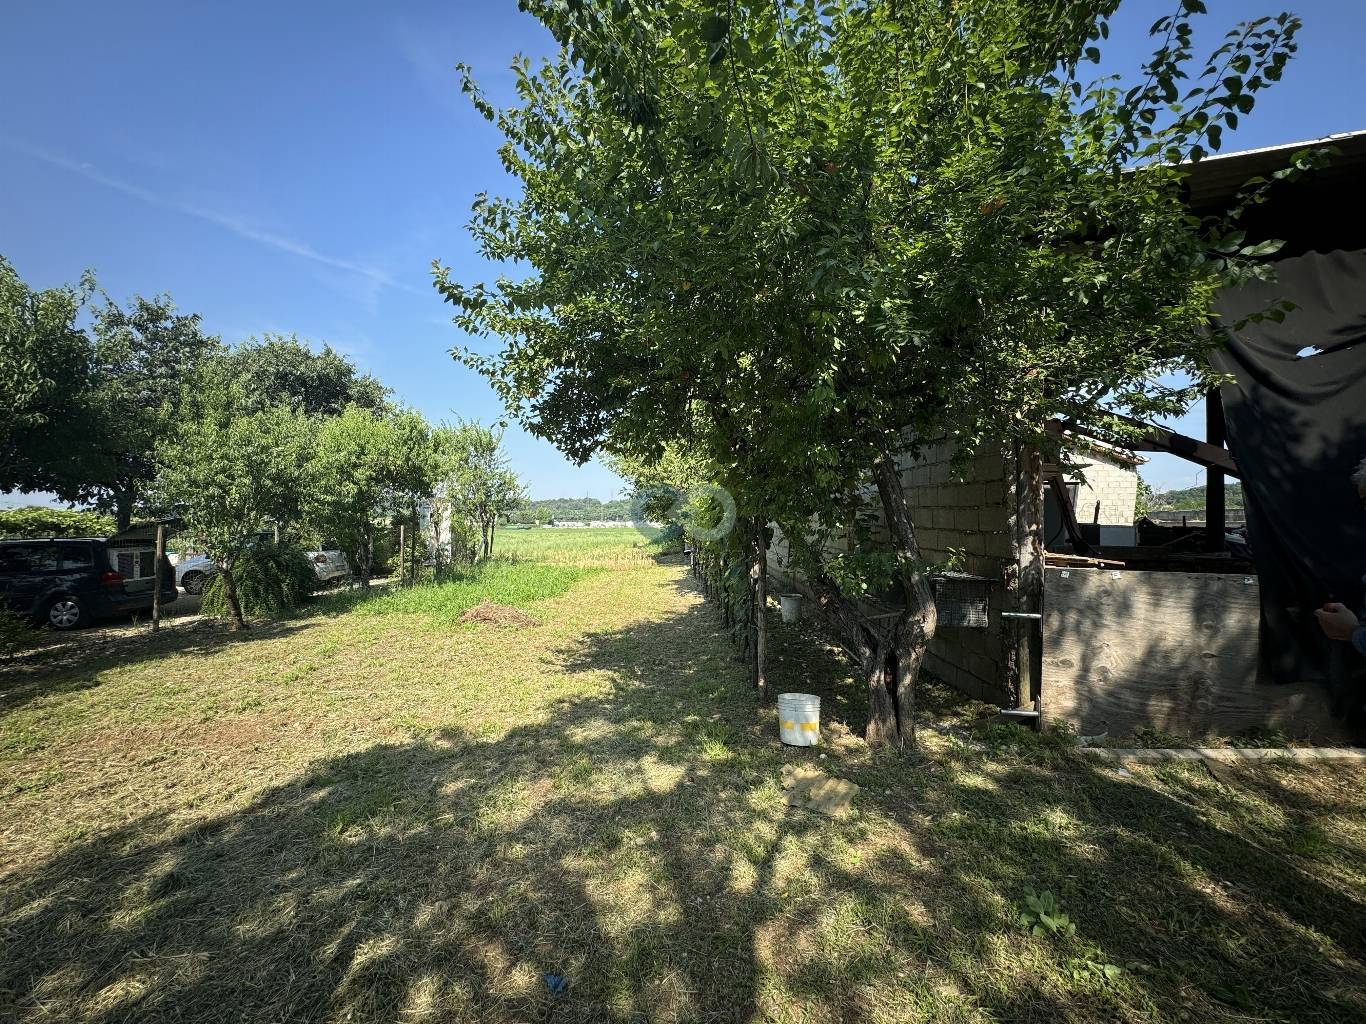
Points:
609	547
374	813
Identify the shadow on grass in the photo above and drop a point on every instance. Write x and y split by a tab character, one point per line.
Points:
634	841
77	662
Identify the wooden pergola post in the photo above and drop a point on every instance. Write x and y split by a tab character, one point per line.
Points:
1216	512
1029	564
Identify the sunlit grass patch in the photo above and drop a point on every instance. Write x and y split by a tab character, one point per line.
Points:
520	584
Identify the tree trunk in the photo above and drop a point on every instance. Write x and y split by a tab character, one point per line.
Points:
230	595
412	544
916	626
123	510
888	646
367	554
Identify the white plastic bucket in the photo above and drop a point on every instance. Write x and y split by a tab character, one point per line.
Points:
799	719
791	605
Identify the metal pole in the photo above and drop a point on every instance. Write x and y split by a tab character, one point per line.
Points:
156	593
402	552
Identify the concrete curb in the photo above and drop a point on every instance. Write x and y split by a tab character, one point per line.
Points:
1227	753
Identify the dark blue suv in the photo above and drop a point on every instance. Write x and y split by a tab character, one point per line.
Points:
68	582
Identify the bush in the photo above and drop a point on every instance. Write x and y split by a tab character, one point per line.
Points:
272	580
16	633
37	521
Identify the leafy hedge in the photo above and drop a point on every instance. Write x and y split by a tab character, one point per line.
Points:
272	580
37	521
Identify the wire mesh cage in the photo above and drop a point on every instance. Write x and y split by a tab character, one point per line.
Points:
962	599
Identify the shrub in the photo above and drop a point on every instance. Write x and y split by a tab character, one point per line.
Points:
16	633
37	521
272	580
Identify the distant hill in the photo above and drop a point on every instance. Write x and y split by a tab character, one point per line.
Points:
573	509
1193	498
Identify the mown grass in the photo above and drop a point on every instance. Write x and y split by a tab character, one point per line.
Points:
344	817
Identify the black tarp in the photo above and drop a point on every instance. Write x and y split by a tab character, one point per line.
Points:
1297	428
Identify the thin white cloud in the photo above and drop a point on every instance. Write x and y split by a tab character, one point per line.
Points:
227	222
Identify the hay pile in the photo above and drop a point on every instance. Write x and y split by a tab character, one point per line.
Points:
493	614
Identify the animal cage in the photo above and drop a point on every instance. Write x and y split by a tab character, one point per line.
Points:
962	599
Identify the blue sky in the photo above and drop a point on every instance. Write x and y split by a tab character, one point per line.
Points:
297	166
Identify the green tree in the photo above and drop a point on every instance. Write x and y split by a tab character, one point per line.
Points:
143	355
483	487
229	471
372	466
277	369
796	239
46	364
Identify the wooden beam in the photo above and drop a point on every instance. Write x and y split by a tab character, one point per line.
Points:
1154	439
1069	514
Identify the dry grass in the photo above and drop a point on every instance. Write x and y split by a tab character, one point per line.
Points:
394	817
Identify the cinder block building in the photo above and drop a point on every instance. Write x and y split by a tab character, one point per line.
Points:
968	517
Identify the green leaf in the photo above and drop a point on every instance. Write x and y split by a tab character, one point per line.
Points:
714	28
1230	242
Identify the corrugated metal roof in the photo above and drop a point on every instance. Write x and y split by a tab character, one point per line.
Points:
1217	179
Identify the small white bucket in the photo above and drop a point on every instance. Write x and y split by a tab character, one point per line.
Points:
791	605
799	719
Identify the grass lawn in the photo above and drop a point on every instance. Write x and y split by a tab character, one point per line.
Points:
375	812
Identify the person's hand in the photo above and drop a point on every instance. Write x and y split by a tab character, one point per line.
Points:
1337	620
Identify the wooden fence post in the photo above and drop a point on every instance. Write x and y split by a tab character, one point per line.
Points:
760	604
156	579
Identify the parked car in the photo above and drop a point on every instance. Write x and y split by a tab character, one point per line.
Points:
68	582
330	565
192	571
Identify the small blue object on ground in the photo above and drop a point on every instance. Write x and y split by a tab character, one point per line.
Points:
558	985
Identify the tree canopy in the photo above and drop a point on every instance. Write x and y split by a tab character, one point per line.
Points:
795	238
45	371
277	368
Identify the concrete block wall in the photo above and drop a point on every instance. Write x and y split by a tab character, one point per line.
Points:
1112	482
969	510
